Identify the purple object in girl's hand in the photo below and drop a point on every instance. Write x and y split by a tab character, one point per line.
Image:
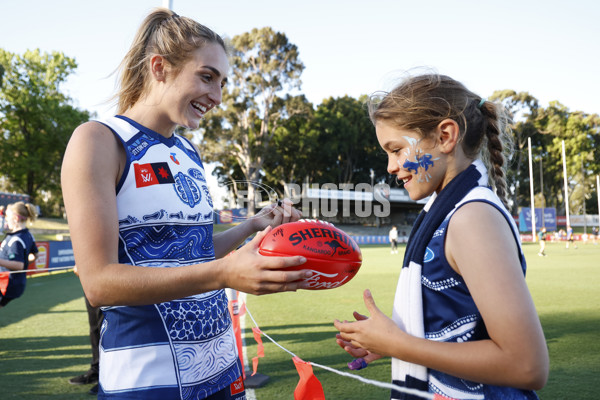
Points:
357	364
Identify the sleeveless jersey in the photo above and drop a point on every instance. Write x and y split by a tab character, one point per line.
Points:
449	312
181	349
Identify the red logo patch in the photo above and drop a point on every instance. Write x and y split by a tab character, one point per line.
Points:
152	174
237	386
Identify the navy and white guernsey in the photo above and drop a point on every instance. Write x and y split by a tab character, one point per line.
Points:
181	349
433	302
450	314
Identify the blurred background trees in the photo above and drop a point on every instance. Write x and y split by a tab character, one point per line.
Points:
36	121
267	132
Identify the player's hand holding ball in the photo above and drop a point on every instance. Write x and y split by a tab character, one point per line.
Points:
256	274
331	254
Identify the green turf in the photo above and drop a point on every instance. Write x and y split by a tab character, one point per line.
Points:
564	286
44	340
44	336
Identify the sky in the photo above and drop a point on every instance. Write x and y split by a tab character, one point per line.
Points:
550	48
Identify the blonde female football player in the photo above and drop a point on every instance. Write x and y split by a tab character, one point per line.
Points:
141	222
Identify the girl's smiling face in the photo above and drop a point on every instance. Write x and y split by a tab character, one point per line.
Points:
412	159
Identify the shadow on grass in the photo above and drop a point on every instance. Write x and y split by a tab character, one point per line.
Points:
299	333
574	355
43	341
558	326
42	294
40	367
39	355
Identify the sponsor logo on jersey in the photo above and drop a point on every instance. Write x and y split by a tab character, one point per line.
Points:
174	159
139	147
429	255
152	174
237	386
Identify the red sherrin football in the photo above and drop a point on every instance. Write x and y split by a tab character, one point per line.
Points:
332	255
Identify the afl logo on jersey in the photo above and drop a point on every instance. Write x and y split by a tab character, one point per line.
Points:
429	255
152	174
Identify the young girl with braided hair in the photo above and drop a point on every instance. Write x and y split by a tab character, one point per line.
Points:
464	324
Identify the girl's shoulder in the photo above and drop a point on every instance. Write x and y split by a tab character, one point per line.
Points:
479	210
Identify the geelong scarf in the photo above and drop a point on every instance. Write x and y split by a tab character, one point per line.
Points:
408	303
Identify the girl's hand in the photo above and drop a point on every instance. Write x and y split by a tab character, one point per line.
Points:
250	272
356	352
368	337
276	214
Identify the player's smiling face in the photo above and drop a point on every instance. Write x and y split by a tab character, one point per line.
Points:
198	86
410	158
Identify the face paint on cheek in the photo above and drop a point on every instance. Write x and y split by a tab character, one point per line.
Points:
409	164
425	162
421	160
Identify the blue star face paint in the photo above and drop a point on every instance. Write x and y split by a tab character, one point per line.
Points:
420	159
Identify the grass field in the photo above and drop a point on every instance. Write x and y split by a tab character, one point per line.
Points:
44	336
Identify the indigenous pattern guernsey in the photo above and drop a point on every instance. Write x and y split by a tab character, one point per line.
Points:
181	349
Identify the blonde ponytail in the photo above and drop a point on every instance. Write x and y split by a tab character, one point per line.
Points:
165	33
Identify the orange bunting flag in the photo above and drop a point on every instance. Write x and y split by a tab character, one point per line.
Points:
260	349
237	331
4	278
309	387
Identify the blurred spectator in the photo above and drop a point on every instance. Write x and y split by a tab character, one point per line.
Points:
15	249
393	235
570	236
542	236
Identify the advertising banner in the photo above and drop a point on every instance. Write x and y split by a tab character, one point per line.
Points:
233	216
543	217
52	254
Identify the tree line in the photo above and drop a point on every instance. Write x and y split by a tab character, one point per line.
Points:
266	131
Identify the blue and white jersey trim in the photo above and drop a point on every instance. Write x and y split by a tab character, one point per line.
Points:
460	330
436	386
